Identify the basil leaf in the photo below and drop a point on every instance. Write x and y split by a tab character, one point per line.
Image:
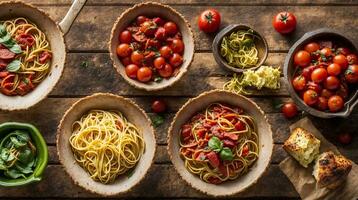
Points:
157	120
26	155
6	40
16	49
215	144
26	169
14	173
14	66
3	31
158	79
226	154
17	143
4	154
22	136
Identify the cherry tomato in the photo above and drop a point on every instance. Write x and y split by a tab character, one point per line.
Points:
176	60
137	58
158	21
310	97
326	51
141	19
289	110
148	28
131	71
124	50
299	83
284	22
170	28
351	74
344	51
166	52
322	103
341	60
125	37
335	103
331	83
126	61
144	74
209	21
343	91
302	58
352	59
312	47
326	93
314	86
160	34
318	75
177	46
334	69
344	138
159	62
166	71
307	71
158	106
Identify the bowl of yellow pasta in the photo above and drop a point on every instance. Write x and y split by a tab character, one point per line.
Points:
106	144
239	47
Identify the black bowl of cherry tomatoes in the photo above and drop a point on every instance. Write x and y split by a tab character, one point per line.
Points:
321	69
151	46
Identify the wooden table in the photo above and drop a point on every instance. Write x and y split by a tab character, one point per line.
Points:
87	42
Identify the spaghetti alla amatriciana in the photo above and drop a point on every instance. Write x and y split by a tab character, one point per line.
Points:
219	144
25	56
106	145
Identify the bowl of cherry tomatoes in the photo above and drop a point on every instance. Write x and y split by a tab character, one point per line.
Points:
151	46
321	69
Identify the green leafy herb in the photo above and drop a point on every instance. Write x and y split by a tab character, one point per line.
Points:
6	40
130	173
3	31
215	144
157	120
226	154
158	79
14	66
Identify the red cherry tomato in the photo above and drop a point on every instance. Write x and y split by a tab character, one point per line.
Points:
166	52
158	21
144	74
326	51
209	21
345	138
125	37
307	71
302	58
158	106
141	19
148	28
299	83
177	46
159	62
176	60
170	28
331	83
326	93
124	50
131	71
351	74
160	34
341	60
166	71
284	22
126	61
137	58
322	103
314	86
312	47
318	75
289	110
334	69
335	103
352	59
310	97
343	91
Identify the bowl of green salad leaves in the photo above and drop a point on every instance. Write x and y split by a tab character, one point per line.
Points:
23	154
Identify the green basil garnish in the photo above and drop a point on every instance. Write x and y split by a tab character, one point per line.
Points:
157	120
215	144
8	42
14	66
226	154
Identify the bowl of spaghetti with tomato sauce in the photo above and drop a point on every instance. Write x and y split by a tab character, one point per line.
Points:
220	143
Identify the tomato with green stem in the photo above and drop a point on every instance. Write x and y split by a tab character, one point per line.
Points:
335	103
209	20
310	97
284	22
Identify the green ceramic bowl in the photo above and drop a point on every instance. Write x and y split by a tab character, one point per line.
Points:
42	153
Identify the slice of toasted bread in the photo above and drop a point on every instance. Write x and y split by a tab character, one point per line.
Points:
331	170
303	146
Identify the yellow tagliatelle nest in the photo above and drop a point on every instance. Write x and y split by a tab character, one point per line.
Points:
239	49
265	76
106	144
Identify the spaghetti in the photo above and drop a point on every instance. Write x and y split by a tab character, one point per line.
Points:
106	145
22	69
239	49
219	144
